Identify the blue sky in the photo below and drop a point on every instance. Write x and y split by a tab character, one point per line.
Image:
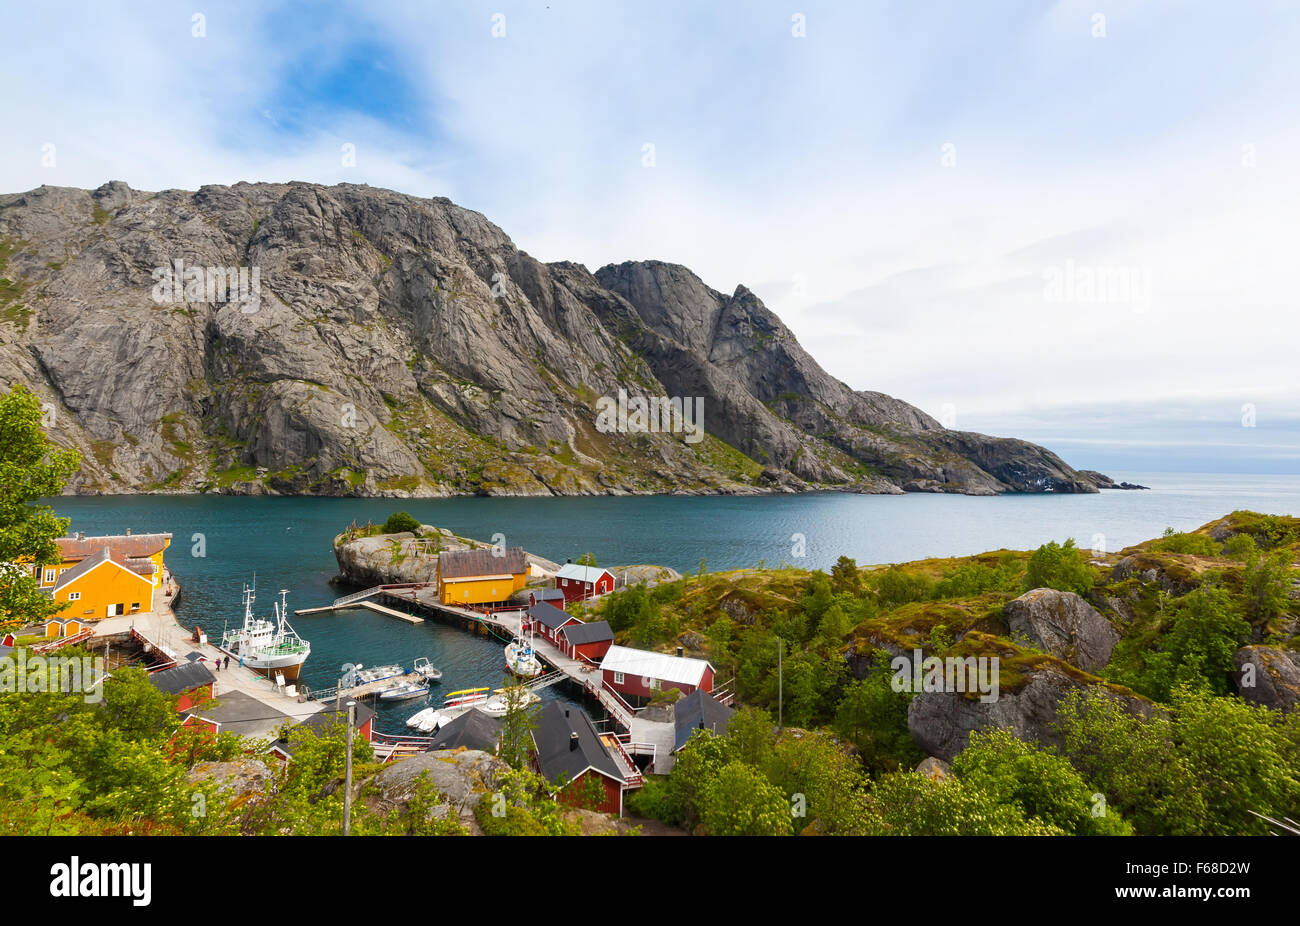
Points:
899	182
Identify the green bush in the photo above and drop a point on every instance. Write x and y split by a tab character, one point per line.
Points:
1060	566
400	522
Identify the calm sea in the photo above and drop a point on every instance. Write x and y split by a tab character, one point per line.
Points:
286	542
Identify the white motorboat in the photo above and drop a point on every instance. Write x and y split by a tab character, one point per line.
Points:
404	691
426	671
360	675
427	720
499	704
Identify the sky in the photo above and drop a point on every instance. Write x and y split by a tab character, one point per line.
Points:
1072	222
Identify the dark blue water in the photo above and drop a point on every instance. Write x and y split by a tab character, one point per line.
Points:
220	542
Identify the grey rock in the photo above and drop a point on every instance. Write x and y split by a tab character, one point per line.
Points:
1268	675
463	777
1064	625
941	722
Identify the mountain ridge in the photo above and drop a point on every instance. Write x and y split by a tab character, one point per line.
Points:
404	346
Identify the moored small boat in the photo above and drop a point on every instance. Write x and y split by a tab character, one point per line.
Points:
404	691
427	720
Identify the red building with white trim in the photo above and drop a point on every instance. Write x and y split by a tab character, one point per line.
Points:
580	583
638	675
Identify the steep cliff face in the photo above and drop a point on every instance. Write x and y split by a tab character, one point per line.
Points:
392	345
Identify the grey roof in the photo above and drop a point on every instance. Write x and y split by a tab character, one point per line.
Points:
472	729
557	758
549	615
595	632
321	722
244	715
184	677
695	710
463	564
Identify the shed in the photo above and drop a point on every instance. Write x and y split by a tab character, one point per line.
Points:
589	642
699	710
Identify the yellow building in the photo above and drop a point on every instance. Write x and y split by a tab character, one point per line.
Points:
481	576
105	576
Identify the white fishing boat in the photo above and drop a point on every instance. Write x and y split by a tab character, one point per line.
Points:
427	720
268	647
404	690
522	659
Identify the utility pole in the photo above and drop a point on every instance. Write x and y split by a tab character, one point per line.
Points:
780	687
347	778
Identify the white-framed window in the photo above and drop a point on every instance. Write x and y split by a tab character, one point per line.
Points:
618	678
74	596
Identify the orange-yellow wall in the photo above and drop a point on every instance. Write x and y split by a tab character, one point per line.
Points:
156	559
479	591
106	584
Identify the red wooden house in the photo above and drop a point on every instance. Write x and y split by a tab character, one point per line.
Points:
588	769
639	675
587	642
549	595
545	620
580	583
191	682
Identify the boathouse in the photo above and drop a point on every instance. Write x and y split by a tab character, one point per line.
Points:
638	675
479	577
191	682
698	711
545	620
587	642
568	751
580	583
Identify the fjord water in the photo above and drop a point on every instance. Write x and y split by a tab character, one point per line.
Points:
286	542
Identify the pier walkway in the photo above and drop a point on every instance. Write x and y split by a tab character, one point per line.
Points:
160	632
640	736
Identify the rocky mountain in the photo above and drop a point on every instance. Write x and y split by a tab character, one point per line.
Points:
299	338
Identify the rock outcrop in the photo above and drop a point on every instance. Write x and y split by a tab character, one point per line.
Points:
941	722
461	776
1268	675
385	345
1064	625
